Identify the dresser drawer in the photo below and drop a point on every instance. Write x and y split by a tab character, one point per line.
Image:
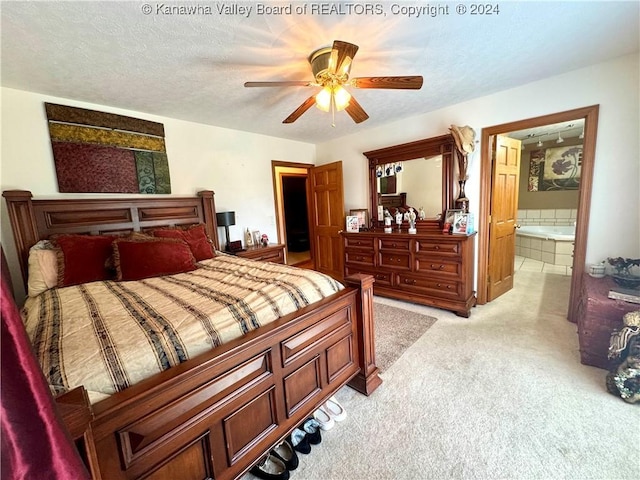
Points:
382	278
359	256
442	249
395	260
438	267
394	244
359	242
431	286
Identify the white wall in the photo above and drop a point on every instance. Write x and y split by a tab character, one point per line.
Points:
236	165
614	227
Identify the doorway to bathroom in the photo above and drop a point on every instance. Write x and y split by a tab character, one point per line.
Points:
589	116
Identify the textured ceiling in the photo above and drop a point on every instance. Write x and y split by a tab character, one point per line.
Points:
193	67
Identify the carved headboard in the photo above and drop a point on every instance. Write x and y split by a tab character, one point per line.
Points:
33	220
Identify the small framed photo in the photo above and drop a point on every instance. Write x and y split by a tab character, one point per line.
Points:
363	217
449	216
463	223
256	237
352	224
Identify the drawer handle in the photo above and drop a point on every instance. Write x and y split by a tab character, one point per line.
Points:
359	259
394	245
433	267
380	277
398	260
437	247
439	285
409	281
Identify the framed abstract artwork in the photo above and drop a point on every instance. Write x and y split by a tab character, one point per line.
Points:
97	152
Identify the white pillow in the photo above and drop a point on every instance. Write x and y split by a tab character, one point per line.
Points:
43	268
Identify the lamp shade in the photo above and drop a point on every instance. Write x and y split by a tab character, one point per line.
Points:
226	219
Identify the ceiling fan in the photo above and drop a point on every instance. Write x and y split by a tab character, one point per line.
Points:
331	67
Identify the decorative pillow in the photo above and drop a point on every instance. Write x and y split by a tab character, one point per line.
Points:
82	258
136	259
195	236
43	268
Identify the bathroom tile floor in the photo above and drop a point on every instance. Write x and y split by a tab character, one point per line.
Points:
530	265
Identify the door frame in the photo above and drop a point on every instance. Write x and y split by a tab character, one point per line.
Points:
590	115
276	174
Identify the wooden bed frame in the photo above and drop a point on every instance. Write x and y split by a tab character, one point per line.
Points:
215	415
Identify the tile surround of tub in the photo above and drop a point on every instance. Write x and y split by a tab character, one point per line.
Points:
551	252
548	216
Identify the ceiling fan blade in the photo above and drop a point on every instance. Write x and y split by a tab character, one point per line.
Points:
342	54
401	83
306	105
355	111
299	83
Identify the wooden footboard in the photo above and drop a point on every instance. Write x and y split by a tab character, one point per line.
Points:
216	415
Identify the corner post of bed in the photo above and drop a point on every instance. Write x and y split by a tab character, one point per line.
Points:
209	210
367	380
23	223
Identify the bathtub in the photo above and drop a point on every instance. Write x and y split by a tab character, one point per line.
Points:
548	244
562	233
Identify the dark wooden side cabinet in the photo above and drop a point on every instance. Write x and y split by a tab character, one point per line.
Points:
597	317
274	252
433	268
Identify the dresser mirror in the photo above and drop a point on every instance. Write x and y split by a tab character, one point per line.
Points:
416	174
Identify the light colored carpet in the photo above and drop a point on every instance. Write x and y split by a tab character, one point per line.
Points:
396	329
500	395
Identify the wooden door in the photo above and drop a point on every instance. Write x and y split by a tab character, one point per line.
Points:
327	212
503	214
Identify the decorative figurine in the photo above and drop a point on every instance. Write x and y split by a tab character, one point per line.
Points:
399	218
264	240
412	220
248	239
421	214
387	221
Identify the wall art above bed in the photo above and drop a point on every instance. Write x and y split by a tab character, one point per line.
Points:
97	152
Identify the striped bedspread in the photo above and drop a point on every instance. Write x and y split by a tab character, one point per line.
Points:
110	335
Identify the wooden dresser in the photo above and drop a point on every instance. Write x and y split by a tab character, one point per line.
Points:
274	252
431	268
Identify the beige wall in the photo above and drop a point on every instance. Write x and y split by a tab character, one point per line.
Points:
543	200
236	165
613	85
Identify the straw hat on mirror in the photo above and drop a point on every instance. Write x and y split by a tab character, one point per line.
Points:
465	138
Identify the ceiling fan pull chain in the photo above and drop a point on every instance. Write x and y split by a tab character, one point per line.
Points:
333	112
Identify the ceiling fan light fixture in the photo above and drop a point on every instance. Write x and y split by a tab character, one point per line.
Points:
341	98
335	95
323	99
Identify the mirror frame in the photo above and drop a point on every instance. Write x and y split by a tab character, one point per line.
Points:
429	147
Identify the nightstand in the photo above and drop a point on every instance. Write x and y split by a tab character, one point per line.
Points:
274	252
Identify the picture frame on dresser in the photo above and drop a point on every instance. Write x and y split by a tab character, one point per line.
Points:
363	217
463	223
450	215
353	225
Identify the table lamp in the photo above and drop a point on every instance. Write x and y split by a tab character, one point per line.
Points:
226	219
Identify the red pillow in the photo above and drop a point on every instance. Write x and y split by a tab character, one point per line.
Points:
82	258
195	236
138	259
